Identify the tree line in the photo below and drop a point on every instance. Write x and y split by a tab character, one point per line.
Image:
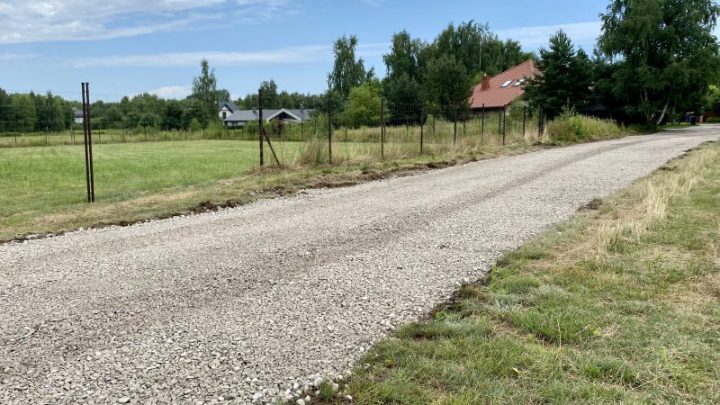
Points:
34	112
654	60
437	75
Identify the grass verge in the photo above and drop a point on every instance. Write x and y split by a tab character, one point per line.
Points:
621	305
43	188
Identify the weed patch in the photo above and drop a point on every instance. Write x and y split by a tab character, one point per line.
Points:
620	305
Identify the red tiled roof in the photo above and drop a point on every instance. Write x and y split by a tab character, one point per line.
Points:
497	96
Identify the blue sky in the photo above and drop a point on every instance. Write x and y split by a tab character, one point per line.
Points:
133	46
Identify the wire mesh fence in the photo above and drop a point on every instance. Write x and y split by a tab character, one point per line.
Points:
396	132
141	148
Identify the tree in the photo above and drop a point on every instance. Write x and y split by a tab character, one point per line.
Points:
363	106
666	54
270	94
112	117
476	48
448	86
205	94
50	114
24	113
712	99
402	85
347	71
5	111
173	117
566	78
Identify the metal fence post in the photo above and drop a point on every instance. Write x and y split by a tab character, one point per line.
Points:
87	136
382	127
261	126
524	120
422	127
541	128
504	124
455	127
499	122
330	131
482	124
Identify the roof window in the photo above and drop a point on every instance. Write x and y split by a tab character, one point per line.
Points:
506	84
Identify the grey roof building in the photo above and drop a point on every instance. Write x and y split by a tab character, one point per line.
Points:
234	117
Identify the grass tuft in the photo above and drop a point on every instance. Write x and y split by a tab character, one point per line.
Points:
620	305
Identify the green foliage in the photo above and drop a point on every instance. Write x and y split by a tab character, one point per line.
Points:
477	49
5	111
51	113
283	99
326	391
24	113
195	125
712	99
448	85
402	86
363	106
347	71
270	95
666	51
566	78
570	127
205	95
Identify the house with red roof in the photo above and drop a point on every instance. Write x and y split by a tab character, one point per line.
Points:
499	92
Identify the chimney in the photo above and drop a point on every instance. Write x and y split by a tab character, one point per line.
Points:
485	83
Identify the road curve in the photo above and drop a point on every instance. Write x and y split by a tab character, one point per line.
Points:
253	301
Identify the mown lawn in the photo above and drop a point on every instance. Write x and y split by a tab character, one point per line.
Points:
42	189
621	305
47	178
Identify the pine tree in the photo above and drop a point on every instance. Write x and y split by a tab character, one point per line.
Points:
566	78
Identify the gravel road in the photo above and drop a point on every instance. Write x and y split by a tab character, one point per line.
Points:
255	302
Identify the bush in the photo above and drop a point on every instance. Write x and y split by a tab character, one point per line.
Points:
571	127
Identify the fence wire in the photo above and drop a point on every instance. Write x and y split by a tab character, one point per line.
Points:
141	147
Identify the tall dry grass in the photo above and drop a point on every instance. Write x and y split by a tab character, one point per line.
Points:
441	139
651	199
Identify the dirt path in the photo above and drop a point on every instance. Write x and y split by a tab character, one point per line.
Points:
251	301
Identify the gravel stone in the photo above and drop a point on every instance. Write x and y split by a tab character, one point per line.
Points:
253	303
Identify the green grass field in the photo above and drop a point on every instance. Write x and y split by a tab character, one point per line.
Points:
41	179
620	305
42	187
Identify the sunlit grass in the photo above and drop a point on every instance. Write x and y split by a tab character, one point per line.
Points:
620	305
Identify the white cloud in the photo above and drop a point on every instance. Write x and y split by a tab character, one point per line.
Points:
6	57
534	37
172	92
292	55
53	20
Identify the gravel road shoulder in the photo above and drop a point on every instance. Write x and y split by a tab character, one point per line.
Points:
257	302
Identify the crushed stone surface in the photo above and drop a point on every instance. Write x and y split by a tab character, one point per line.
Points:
260	302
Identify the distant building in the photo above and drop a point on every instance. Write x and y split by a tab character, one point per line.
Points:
499	92
78	115
234	117
226	109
